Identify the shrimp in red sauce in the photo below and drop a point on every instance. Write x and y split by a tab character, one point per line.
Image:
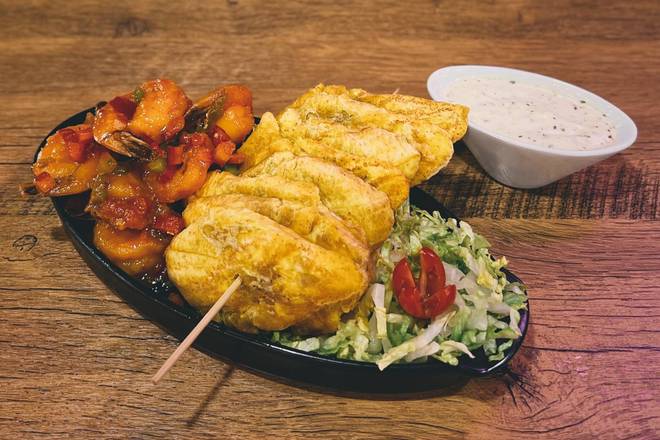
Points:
136	124
69	161
185	173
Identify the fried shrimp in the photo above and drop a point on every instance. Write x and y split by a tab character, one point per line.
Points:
134	251
225	114
122	200
69	161
136	124
186	171
138	153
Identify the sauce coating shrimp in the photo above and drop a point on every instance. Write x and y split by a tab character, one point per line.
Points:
170	145
122	200
134	251
228	108
186	171
69	161
225	114
160	112
136	124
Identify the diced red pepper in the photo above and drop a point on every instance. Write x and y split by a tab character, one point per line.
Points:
169	223
223	152
167	175
218	135
129	213
195	139
85	134
77	152
175	155
124	107
44	182
69	135
236	159
77	142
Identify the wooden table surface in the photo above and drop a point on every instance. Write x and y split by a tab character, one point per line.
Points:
75	360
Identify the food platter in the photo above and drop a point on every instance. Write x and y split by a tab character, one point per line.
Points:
257	352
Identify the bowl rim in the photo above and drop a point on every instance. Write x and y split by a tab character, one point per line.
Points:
626	129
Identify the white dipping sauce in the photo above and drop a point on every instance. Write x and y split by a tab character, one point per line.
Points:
532	114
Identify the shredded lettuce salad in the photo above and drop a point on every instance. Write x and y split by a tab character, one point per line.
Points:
484	315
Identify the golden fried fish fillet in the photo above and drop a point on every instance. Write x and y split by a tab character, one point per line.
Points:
220	183
379	145
433	142
267	139
286	279
343	193
315	195
305	193
314	223
451	117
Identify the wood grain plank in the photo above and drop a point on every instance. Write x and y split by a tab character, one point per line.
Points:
567	354
75	360
624	186
474	19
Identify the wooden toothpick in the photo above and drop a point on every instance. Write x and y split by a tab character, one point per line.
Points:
201	325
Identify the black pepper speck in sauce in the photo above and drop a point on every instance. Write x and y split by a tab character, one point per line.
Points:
544	116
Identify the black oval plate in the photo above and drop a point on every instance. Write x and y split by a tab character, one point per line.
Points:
256	352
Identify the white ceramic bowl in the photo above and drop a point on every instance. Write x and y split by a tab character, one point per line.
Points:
524	165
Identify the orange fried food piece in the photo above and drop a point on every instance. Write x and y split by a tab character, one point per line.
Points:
237	121
178	182
134	251
122	200
160	112
227	95
69	162
229	108
135	124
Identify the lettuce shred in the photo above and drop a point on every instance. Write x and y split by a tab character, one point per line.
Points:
484	316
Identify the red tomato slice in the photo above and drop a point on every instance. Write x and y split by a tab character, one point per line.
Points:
428	297
405	289
440	301
432	270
